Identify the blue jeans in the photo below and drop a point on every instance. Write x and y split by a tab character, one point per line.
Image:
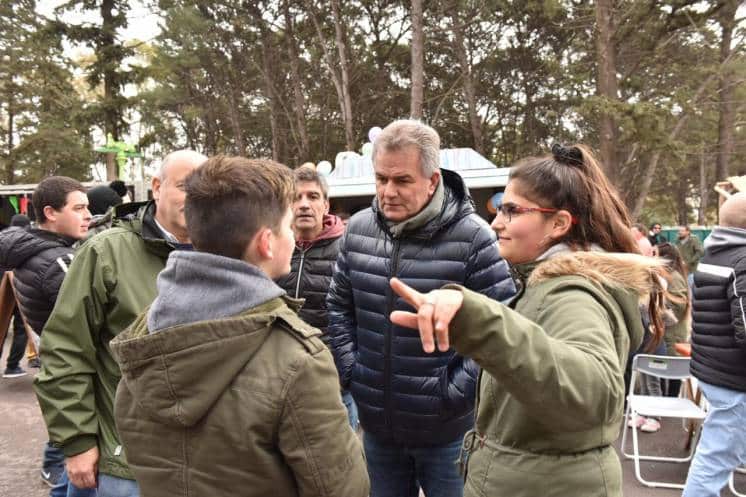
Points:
66	489
53	460
111	486
351	408
398	471
722	447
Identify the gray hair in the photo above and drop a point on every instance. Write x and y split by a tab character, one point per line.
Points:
308	174
411	133
186	155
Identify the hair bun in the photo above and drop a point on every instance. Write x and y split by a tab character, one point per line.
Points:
570	156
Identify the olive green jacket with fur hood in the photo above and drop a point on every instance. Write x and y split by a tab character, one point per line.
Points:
551	391
230	393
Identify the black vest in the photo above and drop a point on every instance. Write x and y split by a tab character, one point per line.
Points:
718	311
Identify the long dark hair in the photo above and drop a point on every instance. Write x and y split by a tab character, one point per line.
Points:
570	178
674	261
675	264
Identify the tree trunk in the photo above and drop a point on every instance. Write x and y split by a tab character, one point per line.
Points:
649	172
704	192
111	118
418	57
727	20
682	208
10	169
606	84
330	65
342	49
304	145
269	88
470	93
235	117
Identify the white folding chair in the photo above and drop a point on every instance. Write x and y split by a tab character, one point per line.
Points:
667	367
732	483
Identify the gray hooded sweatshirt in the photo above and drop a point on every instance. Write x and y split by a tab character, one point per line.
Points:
198	286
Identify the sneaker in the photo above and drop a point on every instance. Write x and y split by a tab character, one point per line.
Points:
636	421
51	477
34	363
650	425
15	372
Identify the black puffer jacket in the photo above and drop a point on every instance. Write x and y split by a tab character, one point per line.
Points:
39	260
404	395
719	311
310	276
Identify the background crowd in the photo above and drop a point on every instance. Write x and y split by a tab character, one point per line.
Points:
177	358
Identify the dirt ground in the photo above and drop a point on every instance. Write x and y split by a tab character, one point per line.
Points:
22	437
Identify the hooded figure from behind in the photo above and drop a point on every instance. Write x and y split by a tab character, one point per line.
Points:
224	390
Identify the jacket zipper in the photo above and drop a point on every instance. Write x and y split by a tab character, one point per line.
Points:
300	273
389	338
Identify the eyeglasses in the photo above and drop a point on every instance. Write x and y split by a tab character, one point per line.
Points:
509	209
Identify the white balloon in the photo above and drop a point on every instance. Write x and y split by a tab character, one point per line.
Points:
324	168
367	149
373	133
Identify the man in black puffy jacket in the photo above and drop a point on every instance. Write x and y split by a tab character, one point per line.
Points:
317	236
20	340
719	351
39	259
422	228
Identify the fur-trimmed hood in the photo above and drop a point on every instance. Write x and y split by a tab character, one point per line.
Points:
629	279
633	272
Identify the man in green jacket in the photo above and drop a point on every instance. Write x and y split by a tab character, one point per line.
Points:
111	280
224	390
690	248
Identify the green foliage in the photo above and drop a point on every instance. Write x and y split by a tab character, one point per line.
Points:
43	131
206	83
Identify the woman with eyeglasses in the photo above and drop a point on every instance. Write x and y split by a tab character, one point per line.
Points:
551	391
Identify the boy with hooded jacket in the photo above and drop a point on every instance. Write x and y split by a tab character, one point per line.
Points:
224	390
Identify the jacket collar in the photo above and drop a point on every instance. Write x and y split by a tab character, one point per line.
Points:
138	217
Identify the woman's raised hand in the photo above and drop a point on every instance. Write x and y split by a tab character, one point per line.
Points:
435	311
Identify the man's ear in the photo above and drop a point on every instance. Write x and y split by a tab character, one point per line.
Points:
259	248
326	206
49	213
434	179
264	240
155	186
